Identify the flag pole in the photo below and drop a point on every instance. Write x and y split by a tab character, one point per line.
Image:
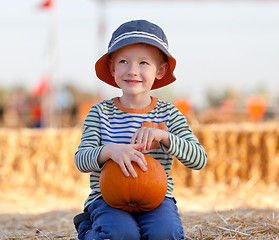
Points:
101	25
101	6
50	118
53	65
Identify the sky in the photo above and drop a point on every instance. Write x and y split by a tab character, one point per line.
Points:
217	44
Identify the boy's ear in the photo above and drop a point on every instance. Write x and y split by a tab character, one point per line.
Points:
162	70
111	67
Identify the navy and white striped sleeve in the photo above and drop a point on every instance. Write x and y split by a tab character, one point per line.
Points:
184	144
89	148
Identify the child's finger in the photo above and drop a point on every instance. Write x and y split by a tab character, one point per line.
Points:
142	165
137	146
140	151
124	169
140	136
149	141
134	138
141	160
131	169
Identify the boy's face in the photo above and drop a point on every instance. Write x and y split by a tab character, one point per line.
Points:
135	68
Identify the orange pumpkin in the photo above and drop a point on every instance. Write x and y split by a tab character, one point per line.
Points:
184	106
256	107
143	193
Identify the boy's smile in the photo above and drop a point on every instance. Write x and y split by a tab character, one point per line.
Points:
132	82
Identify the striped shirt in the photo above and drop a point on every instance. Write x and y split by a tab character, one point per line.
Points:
110	122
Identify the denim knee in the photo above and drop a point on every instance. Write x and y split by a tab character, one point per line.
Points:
126	232
166	233
108	223
162	223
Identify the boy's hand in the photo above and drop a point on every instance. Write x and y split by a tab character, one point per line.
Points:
124	155
147	136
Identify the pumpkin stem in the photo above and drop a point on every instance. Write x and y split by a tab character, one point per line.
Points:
132	204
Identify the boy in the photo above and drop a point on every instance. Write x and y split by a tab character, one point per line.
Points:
124	128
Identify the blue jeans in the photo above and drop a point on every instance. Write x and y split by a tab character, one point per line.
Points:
162	223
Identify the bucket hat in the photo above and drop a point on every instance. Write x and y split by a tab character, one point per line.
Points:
136	31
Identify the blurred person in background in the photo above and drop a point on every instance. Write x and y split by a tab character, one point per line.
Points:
15	112
64	105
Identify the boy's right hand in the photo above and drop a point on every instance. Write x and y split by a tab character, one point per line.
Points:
124	155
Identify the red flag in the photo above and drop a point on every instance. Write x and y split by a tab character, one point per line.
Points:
46	4
42	87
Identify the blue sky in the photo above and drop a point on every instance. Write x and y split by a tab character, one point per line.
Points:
217	44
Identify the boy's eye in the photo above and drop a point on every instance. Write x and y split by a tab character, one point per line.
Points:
123	61
144	63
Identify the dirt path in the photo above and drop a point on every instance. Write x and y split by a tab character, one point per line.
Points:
218	214
234	224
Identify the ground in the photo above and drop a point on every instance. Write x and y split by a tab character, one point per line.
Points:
221	213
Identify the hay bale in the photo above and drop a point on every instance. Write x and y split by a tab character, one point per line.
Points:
236	153
40	158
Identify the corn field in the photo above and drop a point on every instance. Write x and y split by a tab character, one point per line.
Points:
236	153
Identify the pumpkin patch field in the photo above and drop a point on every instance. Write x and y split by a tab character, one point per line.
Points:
236	196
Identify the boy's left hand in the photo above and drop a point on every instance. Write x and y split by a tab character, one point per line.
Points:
148	136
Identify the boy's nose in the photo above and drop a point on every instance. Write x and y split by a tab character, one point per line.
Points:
133	69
